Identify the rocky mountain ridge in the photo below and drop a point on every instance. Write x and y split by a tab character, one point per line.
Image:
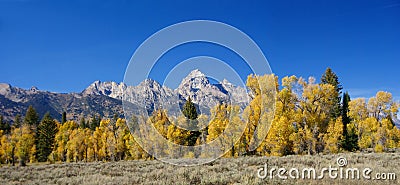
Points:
105	98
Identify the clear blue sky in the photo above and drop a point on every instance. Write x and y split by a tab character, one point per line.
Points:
65	45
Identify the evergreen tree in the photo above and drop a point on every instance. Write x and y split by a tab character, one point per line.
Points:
31	117
17	121
46	132
189	110
329	77
82	123
95	122
345	109
348	143
64	117
5	126
351	138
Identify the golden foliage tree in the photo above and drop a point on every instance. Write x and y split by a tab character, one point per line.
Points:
24	140
259	113
334	136
61	139
278	140
225	128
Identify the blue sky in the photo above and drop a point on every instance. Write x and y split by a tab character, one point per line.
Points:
63	46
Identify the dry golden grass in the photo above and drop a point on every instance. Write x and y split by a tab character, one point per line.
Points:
222	171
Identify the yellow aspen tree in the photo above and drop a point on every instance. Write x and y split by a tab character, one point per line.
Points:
278	141
358	109
122	139
8	145
135	151
32	156
25	141
76	147
88	145
394	138
303	141
384	137
333	136
263	93
160	121
3	148
232	134
110	144
219	121
177	136
61	139
91	153
366	128
173	134
225	128
97	141
203	122
278	137
315	104
382	106
106	140
373	121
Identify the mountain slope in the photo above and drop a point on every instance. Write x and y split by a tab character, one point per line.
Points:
14	100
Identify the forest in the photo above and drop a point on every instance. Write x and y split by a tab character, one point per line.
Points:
307	118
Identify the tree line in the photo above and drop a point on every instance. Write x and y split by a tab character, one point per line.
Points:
307	118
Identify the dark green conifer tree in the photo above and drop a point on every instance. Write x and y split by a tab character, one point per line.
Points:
329	77
31	117
64	117
189	110
95	122
82	123
17	121
46	132
350	142
4	125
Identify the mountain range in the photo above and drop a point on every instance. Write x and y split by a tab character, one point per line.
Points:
105	98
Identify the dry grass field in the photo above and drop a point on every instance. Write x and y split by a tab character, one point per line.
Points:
222	171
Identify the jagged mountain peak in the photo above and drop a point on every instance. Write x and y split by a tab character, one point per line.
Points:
17	94
206	95
99	83
34	89
150	83
110	88
4	88
226	82
196	73
194	80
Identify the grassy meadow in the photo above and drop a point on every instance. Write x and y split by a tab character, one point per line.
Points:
242	170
